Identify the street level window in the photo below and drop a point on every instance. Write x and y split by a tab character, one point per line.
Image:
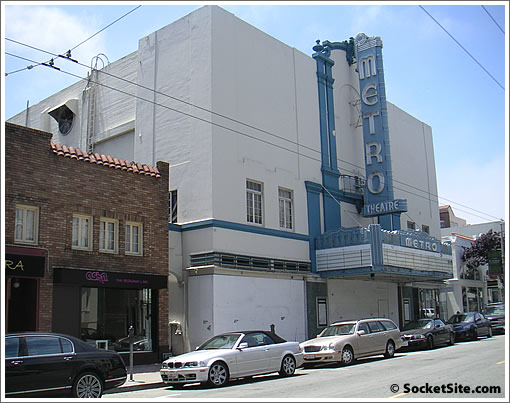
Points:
107	314
134	236
27	224
108	235
286	208
254	197
82	232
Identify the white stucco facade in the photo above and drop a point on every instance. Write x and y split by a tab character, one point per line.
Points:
223	103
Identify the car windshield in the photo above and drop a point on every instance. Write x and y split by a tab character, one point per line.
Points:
339	330
223	341
419	324
494	310
462	318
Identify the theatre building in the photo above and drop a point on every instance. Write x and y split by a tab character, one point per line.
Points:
86	244
300	195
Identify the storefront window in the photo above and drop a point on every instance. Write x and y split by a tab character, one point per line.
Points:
107	314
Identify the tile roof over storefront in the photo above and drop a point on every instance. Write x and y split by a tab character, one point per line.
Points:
106	160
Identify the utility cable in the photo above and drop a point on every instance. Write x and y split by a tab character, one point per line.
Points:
492	18
109	25
463	48
241	133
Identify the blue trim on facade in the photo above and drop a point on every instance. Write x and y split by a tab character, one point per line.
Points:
313	192
212	223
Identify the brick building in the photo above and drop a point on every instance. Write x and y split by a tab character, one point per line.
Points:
86	244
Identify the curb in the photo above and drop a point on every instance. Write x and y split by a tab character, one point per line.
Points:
130	388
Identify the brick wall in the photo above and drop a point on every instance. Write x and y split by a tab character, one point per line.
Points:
61	186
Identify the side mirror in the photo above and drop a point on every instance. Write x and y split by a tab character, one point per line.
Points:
361	332
242	346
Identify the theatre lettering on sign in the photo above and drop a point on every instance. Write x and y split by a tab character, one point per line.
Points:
379	197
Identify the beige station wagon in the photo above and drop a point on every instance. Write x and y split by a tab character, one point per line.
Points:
346	341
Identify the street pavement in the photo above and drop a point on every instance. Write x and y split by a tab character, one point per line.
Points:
475	363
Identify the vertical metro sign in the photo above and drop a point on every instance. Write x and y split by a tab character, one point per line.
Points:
379	198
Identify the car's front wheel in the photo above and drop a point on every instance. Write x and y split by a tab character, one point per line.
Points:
489	333
218	374
430	342
288	366
347	355
451	340
474	334
88	385
390	349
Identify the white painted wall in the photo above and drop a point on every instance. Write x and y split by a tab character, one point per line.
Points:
246	303
354	299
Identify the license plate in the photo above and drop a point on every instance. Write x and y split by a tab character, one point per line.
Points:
310	356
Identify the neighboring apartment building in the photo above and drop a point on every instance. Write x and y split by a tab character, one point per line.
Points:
291	182
448	219
86	244
489	288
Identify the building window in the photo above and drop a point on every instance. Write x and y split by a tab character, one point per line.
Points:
108	230
411	225
107	314
172	206
425	228
254	202
134	235
27	224
286	208
82	232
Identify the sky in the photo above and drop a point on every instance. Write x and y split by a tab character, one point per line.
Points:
444	63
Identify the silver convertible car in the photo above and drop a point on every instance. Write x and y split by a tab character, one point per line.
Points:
233	355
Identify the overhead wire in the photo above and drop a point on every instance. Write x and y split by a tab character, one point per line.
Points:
463	48
428	194
81	43
492	18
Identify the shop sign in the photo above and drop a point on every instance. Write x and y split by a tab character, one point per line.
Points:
379	195
101	278
24	265
385	207
424	243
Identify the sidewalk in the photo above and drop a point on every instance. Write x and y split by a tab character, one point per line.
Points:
144	377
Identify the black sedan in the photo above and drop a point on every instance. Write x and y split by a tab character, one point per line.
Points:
470	325
49	363
427	333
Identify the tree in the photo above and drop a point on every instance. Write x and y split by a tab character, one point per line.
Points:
478	253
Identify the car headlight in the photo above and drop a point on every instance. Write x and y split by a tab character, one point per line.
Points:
164	365
419	337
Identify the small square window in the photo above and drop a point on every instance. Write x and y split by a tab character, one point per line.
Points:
27	224
425	228
411	225
108	235
134	236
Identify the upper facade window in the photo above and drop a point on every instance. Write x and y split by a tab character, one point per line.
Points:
172	206
411	225
108	235
425	228
254	198
134	238
82	232
27	224
286	208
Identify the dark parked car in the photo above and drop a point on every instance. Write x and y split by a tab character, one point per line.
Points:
49	363
427	333
470	325
496	314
